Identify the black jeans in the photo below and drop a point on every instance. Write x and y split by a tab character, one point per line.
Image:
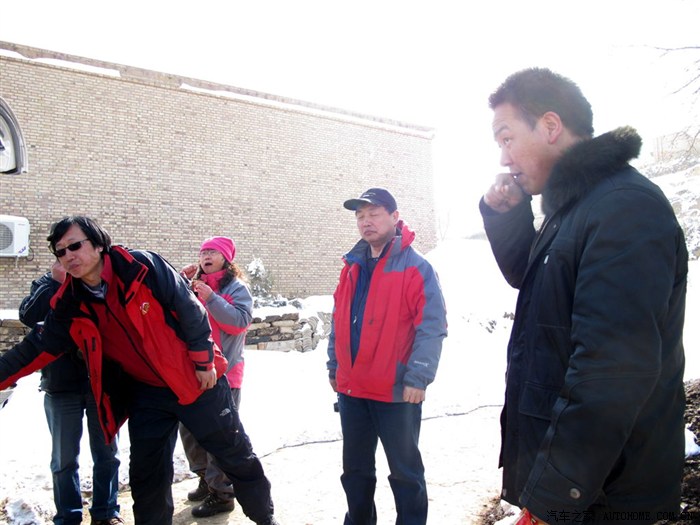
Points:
212	419
397	425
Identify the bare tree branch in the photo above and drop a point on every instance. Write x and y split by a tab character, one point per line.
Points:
689	83
671	49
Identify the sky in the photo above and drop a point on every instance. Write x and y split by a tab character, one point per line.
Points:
426	63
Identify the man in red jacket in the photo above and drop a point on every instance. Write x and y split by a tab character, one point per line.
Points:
388	325
145	340
68	403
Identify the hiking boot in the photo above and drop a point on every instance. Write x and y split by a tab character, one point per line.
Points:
212	505
200	492
269	521
115	520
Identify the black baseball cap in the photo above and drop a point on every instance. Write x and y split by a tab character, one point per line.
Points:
376	196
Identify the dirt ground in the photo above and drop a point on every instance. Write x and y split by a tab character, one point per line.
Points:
462	478
690	487
463	481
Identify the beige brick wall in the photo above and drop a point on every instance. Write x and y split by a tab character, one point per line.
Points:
162	168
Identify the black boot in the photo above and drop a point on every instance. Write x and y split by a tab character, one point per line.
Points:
212	505
201	491
269	521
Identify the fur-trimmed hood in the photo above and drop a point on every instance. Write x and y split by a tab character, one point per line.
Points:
586	163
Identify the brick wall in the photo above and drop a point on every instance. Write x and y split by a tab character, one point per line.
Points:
162	167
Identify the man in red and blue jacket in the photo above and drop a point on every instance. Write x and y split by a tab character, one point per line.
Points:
145	340
389	321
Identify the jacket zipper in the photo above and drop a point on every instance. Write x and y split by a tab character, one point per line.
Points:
538	237
133	345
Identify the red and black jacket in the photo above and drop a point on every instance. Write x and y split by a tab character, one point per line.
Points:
174	334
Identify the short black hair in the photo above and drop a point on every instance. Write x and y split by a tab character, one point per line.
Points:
535	91
93	231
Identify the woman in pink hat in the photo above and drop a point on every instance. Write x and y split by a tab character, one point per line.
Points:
220	286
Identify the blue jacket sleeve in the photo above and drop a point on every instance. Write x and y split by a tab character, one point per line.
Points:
332	363
430	325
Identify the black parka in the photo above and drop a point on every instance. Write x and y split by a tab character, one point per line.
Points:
67	373
592	424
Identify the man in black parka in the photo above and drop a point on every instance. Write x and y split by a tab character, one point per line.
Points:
592	424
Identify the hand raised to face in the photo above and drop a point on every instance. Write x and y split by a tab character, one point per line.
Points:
504	194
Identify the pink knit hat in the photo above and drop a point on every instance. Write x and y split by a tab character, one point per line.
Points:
221	244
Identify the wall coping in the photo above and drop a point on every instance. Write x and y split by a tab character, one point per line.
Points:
172	81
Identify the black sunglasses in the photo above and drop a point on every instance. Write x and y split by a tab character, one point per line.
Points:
73	247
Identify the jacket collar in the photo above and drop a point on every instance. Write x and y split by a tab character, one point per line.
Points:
116	261
587	163
402	240
129	271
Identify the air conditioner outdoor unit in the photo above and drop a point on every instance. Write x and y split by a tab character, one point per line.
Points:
14	236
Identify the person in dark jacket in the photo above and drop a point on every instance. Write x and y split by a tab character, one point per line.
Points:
67	398
146	343
592	424
389	321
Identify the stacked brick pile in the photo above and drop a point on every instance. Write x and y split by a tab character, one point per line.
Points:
284	333
11	332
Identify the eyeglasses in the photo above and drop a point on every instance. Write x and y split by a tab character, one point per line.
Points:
205	253
73	247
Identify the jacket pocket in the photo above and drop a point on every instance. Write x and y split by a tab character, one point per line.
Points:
538	400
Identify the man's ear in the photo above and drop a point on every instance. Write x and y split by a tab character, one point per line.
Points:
552	126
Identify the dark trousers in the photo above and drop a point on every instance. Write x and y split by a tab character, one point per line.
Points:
397	425
212	419
202	463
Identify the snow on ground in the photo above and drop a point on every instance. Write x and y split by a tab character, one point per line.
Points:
287	400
